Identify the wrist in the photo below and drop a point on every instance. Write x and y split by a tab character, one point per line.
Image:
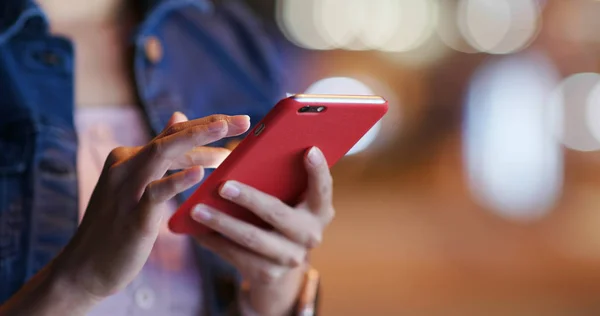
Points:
274	299
48	294
58	290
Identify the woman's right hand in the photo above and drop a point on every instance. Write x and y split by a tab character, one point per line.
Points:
123	217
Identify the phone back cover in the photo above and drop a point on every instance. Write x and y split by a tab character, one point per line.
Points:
272	161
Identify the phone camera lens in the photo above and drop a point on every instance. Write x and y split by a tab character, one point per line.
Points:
304	109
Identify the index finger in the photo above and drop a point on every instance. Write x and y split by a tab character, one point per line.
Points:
237	124
155	158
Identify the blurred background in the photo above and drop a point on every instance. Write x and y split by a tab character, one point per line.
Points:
478	193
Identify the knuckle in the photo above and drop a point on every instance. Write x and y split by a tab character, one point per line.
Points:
325	189
250	239
313	240
155	149
329	215
190	159
191	132
115	155
216	118
276	214
172	129
150	194
296	259
268	275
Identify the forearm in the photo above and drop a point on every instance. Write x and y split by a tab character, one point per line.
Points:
47	294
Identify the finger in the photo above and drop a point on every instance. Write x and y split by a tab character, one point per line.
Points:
268	244
155	159
301	227
251	265
177	117
238	124
320	184
166	188
207	157
163	190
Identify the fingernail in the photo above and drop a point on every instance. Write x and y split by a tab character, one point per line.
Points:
242	121
216	126
315	156
194	173
179	117
230	190
201	213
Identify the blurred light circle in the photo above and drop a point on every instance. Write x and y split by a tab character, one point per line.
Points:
448	30
380	22
426	55
570	107
296	20
499	26
341	22
389	25
514	164
593	112
414	22
345	85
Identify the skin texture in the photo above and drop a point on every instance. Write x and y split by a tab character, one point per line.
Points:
123	218
124	215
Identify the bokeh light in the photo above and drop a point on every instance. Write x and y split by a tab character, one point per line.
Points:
341	21
569	105
296	20
499	26
345	85
514	163
416	21
593	112
448	30
380	22
428	54
391	25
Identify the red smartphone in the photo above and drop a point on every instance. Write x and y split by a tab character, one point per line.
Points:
270	158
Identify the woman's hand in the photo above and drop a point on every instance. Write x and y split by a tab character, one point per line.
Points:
272	262
123	217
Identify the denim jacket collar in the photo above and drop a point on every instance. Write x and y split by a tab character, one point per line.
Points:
14	14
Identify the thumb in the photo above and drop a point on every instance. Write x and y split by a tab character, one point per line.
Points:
177	117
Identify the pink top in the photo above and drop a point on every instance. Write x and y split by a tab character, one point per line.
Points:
169	283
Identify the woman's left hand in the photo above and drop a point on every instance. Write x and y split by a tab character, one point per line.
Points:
272	262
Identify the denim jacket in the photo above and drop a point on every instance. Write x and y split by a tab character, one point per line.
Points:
212	59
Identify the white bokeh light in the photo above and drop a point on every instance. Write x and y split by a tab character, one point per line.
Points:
448	30
341	22
345	85
416	21
593	112
380	22
570	105
514	163
389	25
499	26
296	19
429	54
484	23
